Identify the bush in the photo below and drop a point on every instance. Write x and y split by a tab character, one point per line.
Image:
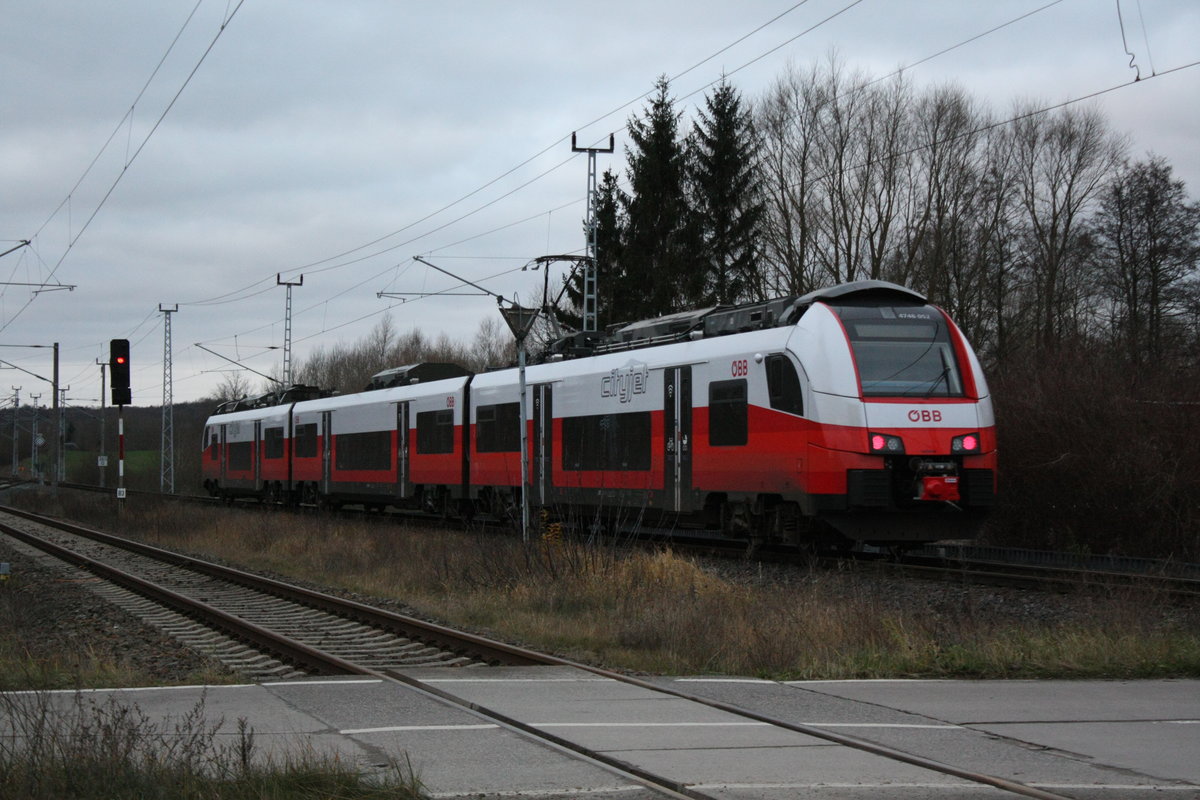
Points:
1098	458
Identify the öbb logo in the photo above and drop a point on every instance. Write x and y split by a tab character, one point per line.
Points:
924	415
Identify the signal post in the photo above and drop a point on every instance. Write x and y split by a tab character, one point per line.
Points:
118	373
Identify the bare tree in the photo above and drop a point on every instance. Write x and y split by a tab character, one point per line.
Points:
234	385
1061	161
788	120
834	163
493	345
1149	237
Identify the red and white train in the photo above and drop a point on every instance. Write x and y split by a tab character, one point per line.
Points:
855	413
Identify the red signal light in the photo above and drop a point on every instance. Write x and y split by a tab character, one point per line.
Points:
878	442
970	443
118	377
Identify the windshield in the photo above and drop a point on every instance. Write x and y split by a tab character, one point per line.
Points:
902	351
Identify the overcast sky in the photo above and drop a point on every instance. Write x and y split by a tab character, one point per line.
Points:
336	140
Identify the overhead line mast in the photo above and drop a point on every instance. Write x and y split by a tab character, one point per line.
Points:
287	327
589	229
166	479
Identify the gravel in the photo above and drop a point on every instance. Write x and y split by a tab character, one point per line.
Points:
48	611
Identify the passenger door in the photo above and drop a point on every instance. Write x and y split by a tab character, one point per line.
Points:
677	435
258	454
543	445
327	452
404	487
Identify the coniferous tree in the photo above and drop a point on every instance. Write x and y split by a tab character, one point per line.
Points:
658	274
728	212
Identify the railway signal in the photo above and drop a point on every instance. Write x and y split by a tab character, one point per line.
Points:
118	380
118	363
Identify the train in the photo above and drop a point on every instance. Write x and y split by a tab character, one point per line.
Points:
856	414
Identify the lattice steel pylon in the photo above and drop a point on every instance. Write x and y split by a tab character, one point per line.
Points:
287	327
166	480
589	229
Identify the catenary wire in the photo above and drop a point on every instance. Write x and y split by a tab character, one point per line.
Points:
309	267
557	166
129	162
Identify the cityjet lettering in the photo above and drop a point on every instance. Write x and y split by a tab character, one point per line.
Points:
624	382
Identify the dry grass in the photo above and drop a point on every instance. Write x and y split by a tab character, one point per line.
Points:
51	748
661	612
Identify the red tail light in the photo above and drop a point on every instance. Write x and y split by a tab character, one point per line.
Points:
967	443
885	443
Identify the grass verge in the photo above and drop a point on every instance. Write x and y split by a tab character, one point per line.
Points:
54	746
661	612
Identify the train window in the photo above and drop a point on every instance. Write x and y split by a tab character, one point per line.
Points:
498	428
241	456
214	447
273	443
305	444
435	432
783	384
369	450
727	414
607	442
902	351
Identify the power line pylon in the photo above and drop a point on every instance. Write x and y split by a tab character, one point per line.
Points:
166	481
589	229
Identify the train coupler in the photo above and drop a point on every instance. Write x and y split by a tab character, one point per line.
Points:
938	488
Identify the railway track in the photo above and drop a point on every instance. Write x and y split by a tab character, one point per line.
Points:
1044	571
1043	577
270	629
253	624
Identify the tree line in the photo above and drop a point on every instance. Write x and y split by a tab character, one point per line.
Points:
1034	229
1070	264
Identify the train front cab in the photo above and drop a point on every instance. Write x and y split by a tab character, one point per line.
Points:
905	448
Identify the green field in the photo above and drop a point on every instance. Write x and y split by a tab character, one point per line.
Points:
141	468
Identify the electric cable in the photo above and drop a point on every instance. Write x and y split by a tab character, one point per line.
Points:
129	162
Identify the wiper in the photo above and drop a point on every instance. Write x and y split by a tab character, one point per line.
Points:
945	373
942	376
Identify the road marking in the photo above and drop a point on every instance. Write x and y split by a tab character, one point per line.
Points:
555	793
322	683
873	680
517	680
882	725
396	728
726	680
650	724
132	689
